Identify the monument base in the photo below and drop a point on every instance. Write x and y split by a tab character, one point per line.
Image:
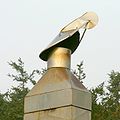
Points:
61	97
62	113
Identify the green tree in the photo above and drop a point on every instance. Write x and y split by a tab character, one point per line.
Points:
79	72
97	96
13	100
3	106
112	101
106	99
22	76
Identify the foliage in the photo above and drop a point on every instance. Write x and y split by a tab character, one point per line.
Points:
106	99
3	107
22	76
79	73
12	102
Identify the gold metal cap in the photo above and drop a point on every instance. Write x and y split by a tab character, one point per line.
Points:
60	57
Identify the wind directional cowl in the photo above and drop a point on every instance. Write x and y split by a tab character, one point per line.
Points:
69	39
69	36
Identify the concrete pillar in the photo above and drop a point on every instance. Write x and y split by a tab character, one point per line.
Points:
58	95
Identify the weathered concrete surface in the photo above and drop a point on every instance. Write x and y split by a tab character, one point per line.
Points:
56	79
63	113
56	99
58	95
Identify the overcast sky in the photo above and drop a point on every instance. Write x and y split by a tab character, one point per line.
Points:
28	26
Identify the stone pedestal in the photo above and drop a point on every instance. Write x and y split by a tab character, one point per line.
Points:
58	95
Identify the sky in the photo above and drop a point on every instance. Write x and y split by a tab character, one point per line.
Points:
28	26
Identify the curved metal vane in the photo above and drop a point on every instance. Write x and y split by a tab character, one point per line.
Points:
87	20
69	36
